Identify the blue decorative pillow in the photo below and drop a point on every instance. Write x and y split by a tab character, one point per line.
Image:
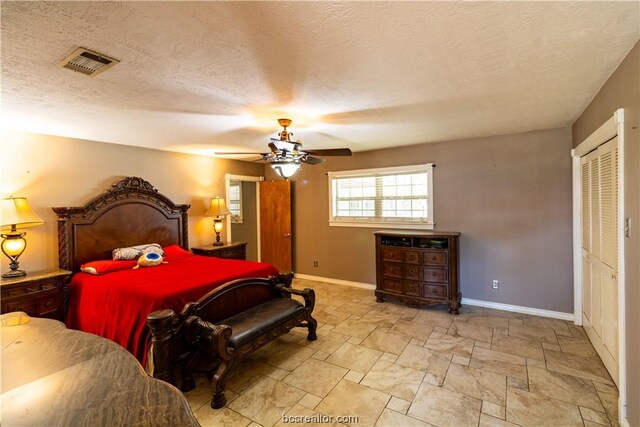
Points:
135	252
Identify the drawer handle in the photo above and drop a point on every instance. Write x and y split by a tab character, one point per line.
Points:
29	290
47	287
20	308
434	291
433	259
433	274
48	304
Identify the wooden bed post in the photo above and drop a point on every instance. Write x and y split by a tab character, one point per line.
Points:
159	323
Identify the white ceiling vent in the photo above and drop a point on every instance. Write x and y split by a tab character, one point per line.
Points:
88	62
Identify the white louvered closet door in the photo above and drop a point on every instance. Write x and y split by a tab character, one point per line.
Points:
599	190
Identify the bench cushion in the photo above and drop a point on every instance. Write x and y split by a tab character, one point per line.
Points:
251	323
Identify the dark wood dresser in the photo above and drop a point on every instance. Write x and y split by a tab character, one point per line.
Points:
418	268
230	250
54	376
39	293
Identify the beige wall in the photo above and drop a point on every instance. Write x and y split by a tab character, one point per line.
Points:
509	196
54	171
622	90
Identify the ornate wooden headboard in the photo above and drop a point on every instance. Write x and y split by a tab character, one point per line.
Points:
131	212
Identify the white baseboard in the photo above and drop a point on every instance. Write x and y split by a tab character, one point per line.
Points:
518	309
335	281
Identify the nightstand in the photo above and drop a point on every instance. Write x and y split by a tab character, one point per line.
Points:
230	250
39	293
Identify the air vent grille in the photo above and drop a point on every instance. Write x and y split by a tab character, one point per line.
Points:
88	62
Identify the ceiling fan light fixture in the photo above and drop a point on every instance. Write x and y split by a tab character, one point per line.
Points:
286	169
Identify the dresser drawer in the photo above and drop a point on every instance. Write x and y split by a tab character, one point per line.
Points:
394	269
392	285
232	253
434	258
48	303
434	274
412	288
28	305
434	291
412	257
390	254
412	272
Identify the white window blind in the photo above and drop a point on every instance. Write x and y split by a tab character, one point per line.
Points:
400	196
235	201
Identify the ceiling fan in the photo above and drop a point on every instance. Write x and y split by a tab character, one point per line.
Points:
286	156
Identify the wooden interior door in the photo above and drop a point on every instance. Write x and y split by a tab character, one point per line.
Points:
600	233
275	224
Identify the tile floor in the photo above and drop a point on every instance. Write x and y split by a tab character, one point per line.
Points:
392	365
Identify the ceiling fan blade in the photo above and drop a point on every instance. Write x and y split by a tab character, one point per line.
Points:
312	160
330	152
231	153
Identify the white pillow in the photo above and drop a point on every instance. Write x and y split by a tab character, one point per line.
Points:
135	252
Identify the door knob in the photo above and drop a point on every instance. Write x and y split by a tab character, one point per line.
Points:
287	234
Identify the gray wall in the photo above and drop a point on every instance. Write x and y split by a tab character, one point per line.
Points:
509	196
622	90
248	230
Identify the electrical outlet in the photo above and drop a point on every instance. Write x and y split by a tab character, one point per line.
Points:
315	263
495	284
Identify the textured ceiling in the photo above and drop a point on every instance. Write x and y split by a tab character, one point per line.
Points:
201	77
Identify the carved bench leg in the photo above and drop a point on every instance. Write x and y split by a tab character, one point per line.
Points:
312	325
218	384
161	336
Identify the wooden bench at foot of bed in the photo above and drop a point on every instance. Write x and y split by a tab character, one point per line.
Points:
224	326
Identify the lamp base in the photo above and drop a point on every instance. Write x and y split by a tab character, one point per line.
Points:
218	243
14	273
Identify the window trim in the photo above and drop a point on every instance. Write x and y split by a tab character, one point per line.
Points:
429	225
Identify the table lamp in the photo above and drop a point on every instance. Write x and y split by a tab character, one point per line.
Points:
16	213
218	209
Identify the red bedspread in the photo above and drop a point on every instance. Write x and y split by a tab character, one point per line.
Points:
116	305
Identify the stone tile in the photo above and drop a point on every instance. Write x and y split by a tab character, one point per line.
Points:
330	317
278	374
560	326
494	410
440	329
394	419
548	346
474	382
533	333
474	332
583	367
461	360
498	362
310	401
530	409
255	424
223	417
610	403
315	377
354	340
434	363
246	374
489	421
417	342
564	387
535	363
442	407
354	376
605	388
389	357
320	355
354	308
483	344
327	343
420	331
588	423
266	401
288	356
354	357
501	313
594	416
399	405
399	308
517	346
381	318
578	332
354	328
577	346
363	402
487	321
450	344
386	342
517	322
393	379
434	318
518	383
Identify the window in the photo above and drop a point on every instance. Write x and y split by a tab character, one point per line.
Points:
235	201
398	197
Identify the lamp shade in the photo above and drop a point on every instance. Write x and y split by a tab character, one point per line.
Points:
15	211
218	207
285	169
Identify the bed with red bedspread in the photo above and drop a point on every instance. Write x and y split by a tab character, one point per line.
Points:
115	305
